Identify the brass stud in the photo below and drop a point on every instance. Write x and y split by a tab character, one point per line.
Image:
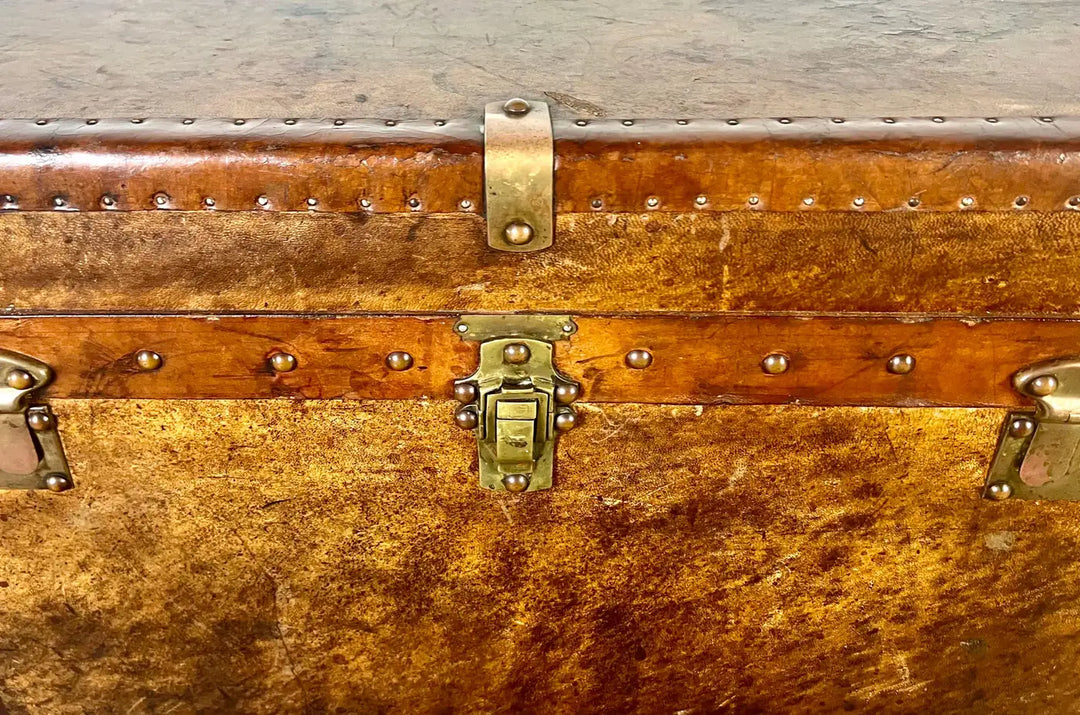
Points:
1043	385
39	421
148	360
516	107
188	121
312	202
238	122
389	122
518	233
775	364
582	122
262	201
290	122
516	482
967	201
639	359
1021	428
900	364
784	120
414	203
516	354
913	201
283	362
652	202
341	123
565	394
565	421
1021	201
808	201
701	200
137	121
465	205
628	122
57	483
399	360
161	199
597	203
209	202
365	203
859	202
682	122
108	201
465	392
733	122
938	120
753	201
466	418
59	202
440	122
889	120
999	491
20	380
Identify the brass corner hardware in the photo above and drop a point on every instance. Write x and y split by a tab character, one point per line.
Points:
517	402
1038	453
31	455
519	175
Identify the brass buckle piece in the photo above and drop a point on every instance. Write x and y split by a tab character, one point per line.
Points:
31	455
1038	454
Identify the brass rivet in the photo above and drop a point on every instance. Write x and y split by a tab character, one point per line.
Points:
753	200
341	123
148	360
682	122
967	201
263	201
59	202
775	364
516	106
39	421
938	120
992	120
701	200
582	123
440	122
733	122
57	483
1047	120
20	380
290	122
466	418
808	201
283	362
859	201
1021	427
389	122
465	205
238	122
516	353
518	233
365	203
414	203
465	392
108	201
188	121
209	202
1043	385
161	199
565	394
1021	201
565	421
889	120
784	120
399	360
999	491
913	201
639	359
137	121
597	203
628	122
312	202
652	202
900	364
515	482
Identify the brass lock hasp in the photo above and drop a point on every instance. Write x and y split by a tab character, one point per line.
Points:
1038	454
517	402
31	455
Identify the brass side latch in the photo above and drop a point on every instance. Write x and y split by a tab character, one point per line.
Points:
517	402
1038	454
31	456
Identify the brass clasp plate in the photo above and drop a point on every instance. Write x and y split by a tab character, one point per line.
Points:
31	455
1038	454
516	402
519	175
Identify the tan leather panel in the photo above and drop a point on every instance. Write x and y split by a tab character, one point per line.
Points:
734	261
269	556
696	359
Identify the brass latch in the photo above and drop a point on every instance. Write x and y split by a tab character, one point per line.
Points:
519	175
1038	454
31	455
517	402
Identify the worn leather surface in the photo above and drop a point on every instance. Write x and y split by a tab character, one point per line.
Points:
272	556
1001	263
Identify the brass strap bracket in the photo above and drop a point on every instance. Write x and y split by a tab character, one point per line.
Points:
1038	454
519	175
31	455
517	402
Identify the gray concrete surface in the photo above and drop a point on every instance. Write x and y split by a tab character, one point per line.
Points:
661	58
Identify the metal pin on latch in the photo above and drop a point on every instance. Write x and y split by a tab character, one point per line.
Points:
31	454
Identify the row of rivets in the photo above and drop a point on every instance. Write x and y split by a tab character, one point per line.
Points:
515	233
580	122
150	361
776	363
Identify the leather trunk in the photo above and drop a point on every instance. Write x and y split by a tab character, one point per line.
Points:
795	345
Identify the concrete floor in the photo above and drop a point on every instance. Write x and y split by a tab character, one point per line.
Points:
660	58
